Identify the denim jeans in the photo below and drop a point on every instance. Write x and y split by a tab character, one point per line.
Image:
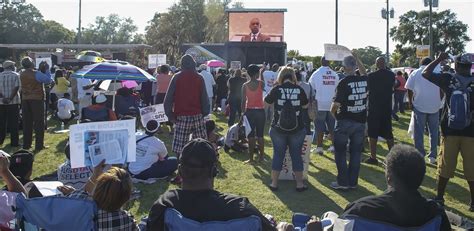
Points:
352	132
159	169
283	141
235	110
399	100
433	127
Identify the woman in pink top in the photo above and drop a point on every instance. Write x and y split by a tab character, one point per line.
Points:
253	108
399	95
163	80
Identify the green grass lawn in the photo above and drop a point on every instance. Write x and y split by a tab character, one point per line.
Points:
251	180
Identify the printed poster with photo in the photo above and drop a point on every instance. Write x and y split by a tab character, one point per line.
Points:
113	141
153	112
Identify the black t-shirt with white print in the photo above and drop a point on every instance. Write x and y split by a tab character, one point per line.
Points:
278	96
351	93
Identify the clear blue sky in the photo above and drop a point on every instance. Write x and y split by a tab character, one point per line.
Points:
308	23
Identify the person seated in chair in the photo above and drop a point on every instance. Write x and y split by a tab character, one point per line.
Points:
401	204
75	177
197	200
152	160
66	111
98	111
110	190
125	103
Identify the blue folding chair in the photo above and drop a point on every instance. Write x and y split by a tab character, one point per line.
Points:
362	224
55	213
174	221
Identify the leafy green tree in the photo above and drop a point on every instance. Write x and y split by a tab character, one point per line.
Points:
20	23
449	34
367	55
109	30
54	32
293	54
216	28
185	22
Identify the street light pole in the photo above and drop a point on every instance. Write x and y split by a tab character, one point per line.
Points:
79	29
388	37
337	20
431	29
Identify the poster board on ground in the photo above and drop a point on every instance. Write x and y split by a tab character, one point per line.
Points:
113	141
153	112
287	170
333	52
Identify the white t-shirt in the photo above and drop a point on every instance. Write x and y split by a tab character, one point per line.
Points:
426	95
149	151
232	135
81	83
324	81
209	81
269	77
65	106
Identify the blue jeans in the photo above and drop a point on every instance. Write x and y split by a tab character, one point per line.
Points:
159	169
352	132
293	142
399	100
433	127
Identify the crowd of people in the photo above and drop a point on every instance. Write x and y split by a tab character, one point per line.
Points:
346	108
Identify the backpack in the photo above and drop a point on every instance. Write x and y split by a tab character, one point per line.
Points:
459	110
288	120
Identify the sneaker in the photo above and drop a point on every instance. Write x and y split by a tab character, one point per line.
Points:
336	186
432	160
331	149
353	187
319	150
372	161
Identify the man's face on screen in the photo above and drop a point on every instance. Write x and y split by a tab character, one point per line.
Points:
255	25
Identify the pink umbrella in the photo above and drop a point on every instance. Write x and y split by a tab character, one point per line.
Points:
215	63
129	84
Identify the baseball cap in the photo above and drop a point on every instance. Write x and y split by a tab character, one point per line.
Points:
8	64
198	153
21	162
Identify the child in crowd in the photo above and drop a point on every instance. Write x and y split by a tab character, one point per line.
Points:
235	138
75	177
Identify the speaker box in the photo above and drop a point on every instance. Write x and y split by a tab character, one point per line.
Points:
256	52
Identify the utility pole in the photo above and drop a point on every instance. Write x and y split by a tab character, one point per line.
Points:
337	21
431	30
387	14
79	29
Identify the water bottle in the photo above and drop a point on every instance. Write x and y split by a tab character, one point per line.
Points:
62	125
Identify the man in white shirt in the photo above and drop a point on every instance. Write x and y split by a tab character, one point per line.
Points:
269	78
152	159
65	108
324	81
426	100
209	82
85	90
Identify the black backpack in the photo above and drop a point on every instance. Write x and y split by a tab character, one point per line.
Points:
288	120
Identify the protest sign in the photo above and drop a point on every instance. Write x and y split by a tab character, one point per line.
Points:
287	170
235	65
155	60
113	141
153	112
422	51
335	52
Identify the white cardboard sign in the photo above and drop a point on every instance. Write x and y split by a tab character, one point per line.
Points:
335	52
153	112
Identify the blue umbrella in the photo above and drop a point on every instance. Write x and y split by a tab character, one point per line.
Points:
113	70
